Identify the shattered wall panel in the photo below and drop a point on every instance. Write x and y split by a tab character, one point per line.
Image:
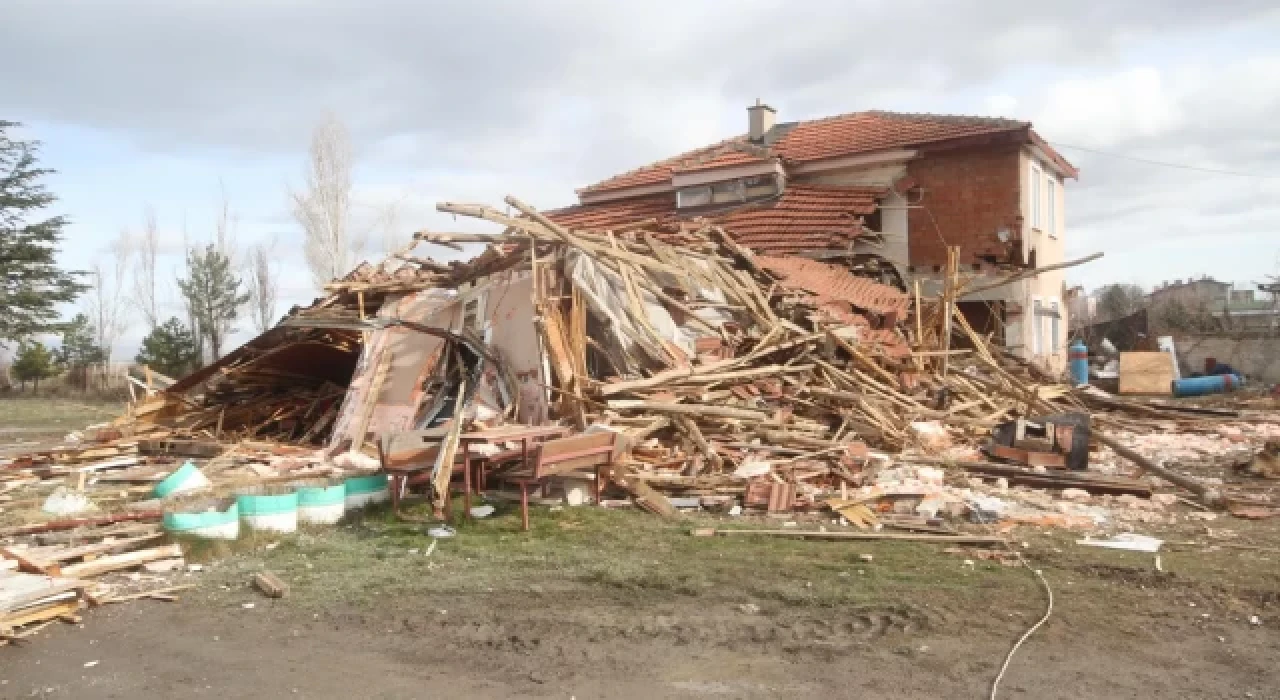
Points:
401	389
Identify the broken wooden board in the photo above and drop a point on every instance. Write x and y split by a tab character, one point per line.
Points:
18	591
122	561
270	585
1146	373
181	448
973	540
645	497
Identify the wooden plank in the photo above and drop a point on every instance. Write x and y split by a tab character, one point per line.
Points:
93	550
645	497
690	409
53	611
270	584
122	561
1146	373
157	593
28	563
371	400
20	590
977	540
78	522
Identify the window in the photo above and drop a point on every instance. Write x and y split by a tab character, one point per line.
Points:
1042	311
1037	326
693	196
471	315
1051	205
731	191
1034	195
1055	323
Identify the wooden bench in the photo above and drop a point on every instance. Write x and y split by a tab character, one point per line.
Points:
408	458
565	456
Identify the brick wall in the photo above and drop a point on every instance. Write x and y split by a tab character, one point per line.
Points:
972	194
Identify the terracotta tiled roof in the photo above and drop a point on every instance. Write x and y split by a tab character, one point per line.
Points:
867	132
605	215
844	135
662	171
805	217
829	282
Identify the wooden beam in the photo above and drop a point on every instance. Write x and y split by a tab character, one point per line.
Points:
122	561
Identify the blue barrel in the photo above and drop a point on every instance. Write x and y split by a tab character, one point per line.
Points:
1200	386
1078	359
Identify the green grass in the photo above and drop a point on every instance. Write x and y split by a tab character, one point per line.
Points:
27	418
631	556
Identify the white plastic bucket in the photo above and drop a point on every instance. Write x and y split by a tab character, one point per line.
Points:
320	505
271	513
210	524
186	478
366	490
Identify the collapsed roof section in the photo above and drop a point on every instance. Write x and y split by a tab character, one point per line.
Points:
527	331
803	217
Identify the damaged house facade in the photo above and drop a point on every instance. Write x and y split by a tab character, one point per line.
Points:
883	193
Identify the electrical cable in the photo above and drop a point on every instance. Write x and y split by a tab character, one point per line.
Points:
995	684
1165	164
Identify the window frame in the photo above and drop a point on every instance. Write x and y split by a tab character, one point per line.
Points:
1055	324
686	193
1051	200
1035	197
1037	326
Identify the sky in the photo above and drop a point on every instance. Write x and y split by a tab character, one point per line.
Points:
170	106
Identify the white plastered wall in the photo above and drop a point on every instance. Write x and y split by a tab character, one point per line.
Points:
1048	242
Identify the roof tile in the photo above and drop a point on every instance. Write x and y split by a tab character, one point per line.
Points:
829	282
832	137
805	217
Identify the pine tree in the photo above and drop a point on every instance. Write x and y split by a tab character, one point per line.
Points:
213	292
31	283
169	349
79	350
34	362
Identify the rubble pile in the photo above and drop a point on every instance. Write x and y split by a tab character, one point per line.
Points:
726	381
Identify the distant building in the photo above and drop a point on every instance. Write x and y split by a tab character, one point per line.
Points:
1233	309
1203	292
877	190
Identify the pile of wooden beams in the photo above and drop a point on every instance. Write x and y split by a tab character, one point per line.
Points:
54	573
801	368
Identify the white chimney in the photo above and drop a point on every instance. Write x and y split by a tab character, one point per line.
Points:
760	119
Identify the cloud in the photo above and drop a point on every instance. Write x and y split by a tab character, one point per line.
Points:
473	101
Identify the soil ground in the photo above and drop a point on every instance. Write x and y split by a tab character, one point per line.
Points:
613	604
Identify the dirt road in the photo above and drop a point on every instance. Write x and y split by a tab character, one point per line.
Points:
589	644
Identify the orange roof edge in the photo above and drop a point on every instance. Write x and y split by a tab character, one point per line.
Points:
1072	171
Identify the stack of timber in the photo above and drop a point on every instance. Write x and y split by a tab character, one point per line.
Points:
54	571
781	376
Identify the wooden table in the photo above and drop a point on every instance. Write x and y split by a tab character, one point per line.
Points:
492	436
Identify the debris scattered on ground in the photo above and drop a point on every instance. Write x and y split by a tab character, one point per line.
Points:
271	585
670	370
1129	540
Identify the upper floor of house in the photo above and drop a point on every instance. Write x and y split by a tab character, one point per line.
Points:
903	187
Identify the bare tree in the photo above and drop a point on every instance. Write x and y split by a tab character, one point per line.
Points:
144	271
193	317
224	241
264	285
224	235
1120	300
323	209
106	296
388	222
